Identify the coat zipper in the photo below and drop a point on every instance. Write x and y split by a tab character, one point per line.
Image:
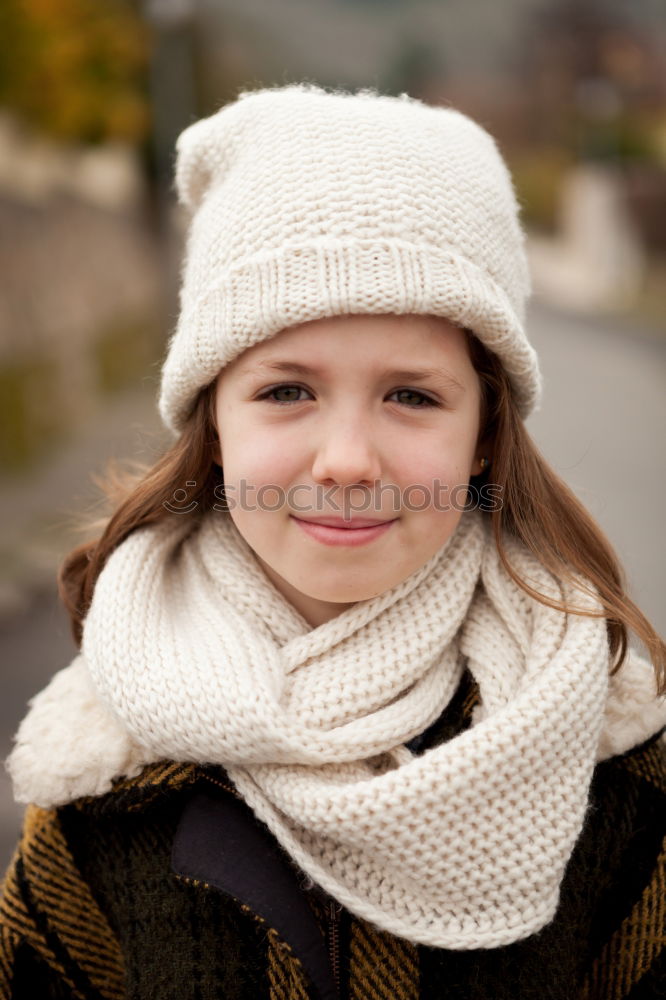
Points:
333	928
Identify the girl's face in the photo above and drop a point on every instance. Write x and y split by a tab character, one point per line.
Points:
354	418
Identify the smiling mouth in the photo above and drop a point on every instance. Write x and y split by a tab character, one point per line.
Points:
349	534
352	524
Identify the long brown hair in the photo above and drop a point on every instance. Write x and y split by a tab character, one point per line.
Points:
537	507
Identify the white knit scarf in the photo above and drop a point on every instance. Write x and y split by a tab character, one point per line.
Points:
463	847
196	656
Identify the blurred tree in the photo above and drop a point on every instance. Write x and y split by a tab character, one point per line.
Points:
76	69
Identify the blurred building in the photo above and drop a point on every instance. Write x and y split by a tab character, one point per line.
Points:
79	285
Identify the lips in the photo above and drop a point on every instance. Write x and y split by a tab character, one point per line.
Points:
350	524
350	534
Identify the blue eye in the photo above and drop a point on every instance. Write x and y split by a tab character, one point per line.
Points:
426	400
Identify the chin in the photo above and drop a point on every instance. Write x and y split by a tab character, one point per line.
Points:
344	595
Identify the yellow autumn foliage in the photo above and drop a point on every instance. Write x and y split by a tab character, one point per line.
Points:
76	69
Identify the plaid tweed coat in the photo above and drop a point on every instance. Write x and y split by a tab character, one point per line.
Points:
169	888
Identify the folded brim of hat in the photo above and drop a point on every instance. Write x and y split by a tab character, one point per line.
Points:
277	289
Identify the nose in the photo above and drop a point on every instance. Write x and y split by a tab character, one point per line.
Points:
346	453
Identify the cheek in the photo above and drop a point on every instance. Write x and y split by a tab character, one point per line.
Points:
445	457
255	455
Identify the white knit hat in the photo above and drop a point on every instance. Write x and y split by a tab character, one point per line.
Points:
309	202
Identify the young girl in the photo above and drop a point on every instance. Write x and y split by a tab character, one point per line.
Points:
354	712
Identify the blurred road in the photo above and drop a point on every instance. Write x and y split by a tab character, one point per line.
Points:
601	427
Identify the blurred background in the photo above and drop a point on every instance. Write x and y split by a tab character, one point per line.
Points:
92	96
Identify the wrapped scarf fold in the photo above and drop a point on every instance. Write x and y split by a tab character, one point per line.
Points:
190	653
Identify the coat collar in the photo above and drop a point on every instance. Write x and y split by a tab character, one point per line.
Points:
220	842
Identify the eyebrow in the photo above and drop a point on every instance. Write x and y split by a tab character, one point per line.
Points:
438	375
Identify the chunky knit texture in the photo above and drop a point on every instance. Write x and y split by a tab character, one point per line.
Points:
199	658
307	203
91	908
310	724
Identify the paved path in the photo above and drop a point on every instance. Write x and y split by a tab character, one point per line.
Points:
601	427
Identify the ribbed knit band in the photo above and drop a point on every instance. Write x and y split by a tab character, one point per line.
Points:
309	203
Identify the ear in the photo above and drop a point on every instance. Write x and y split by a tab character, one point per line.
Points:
484	449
